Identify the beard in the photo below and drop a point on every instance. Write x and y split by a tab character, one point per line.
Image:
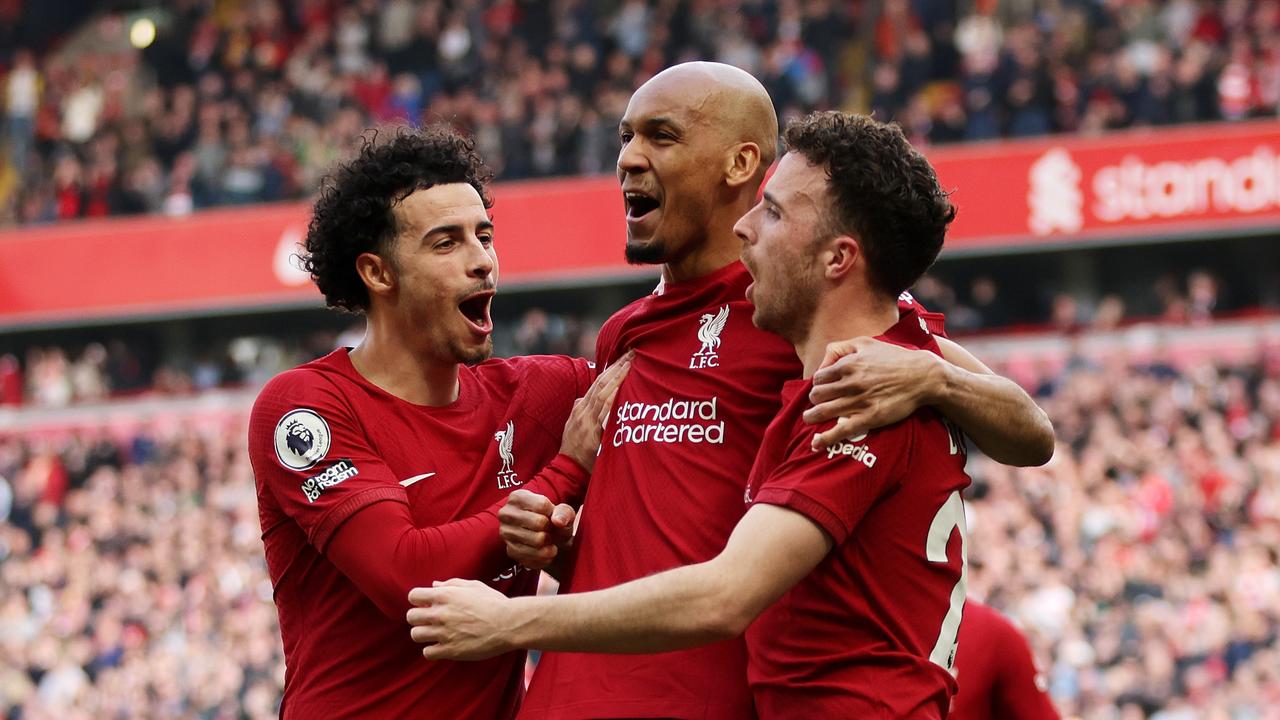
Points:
471	355
788	310
652	253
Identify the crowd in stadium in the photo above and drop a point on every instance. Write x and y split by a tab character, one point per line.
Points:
1141	561
52	375
253	102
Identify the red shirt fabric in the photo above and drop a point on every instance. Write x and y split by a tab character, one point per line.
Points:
996	671
667	491
871	632
363	496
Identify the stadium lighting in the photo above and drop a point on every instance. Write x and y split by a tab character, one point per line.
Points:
142	33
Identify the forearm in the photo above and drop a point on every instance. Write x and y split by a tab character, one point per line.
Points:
998	415
680	608
563	480
385	555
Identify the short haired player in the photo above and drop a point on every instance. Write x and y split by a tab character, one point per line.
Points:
848	566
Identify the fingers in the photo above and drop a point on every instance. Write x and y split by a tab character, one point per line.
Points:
846	428
563	515
525	538
422	597
522	499
831	409
426	633
599	398
534	558
837	350
456	582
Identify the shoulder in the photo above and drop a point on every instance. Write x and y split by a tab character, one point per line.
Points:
992	628
545	368
313	383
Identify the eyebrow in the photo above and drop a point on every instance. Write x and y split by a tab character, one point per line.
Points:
653	122
449	229
769	198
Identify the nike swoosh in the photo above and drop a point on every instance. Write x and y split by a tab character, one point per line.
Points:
409	481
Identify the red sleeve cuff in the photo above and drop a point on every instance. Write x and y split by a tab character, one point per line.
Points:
322	531
563	480
807	506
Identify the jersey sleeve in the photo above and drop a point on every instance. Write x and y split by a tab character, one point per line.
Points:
835	487
310	452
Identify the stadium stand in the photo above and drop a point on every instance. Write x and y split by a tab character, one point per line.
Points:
251	101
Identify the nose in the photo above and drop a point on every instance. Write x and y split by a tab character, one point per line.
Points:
631	159
482	262
742	228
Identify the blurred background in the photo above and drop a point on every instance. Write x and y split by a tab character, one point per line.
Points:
1116	164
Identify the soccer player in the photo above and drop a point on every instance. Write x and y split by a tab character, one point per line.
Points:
996	671
383	467
668	484
849	565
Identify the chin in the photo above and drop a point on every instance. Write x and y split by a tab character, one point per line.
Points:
650	252
474	355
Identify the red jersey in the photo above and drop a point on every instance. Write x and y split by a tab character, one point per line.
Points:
667	490
871	632
996	671
330	450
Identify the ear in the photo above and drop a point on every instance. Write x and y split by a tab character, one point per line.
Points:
377	273
742	164
842	257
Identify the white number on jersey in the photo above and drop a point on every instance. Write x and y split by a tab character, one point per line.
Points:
950	517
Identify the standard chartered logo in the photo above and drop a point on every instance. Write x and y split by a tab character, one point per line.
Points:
672	421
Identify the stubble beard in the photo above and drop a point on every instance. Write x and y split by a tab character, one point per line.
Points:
791	313
472	355
652	253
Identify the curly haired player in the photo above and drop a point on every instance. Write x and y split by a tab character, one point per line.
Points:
378	468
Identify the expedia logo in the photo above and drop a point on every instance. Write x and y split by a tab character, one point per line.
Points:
313	486
852	450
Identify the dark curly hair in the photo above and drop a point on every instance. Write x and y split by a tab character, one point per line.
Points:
886	194
353	214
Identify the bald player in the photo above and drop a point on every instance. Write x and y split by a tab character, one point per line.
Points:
668	484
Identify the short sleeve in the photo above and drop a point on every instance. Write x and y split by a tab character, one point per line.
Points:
835	487
313	457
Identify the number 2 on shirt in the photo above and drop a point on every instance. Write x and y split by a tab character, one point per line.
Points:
950	517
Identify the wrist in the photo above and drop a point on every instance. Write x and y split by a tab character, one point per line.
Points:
939	382
520	633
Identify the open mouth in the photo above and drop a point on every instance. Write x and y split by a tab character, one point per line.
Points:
639	204
475	309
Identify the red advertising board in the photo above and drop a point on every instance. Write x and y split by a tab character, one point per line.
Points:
1152	183
1144	183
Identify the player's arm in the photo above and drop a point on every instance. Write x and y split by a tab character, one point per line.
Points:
362	522
868	384
770	550
385	553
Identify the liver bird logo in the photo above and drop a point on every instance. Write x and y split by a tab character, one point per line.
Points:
504	438
709	332
300	440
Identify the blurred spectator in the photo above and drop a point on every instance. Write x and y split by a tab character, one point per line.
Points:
21	98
